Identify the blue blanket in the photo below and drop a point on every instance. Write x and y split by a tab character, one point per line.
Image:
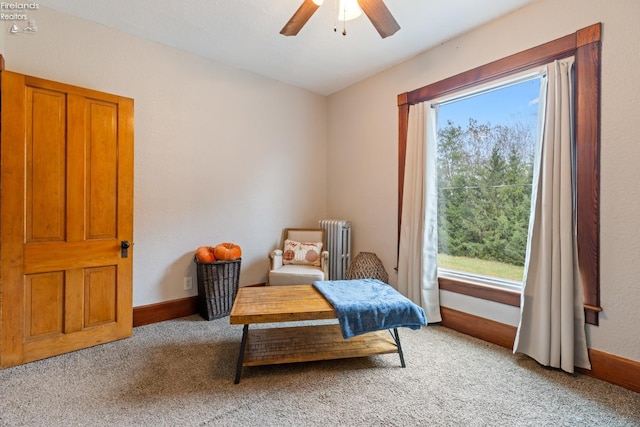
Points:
368	305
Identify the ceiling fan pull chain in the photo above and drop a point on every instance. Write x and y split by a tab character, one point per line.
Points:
344	16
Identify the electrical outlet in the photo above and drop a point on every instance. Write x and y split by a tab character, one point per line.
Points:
188	283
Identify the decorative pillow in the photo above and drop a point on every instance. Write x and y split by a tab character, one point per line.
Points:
301	253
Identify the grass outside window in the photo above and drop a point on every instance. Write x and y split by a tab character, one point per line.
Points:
481	267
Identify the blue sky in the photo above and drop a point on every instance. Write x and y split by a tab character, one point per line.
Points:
503	106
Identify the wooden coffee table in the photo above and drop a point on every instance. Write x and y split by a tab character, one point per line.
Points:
273	345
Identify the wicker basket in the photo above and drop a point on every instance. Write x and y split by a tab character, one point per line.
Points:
367	265
217	287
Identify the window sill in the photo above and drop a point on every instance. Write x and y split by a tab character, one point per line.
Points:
500	295
490	293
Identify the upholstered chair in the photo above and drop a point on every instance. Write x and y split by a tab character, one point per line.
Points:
301	259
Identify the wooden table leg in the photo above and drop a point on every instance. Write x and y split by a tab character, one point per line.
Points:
243	344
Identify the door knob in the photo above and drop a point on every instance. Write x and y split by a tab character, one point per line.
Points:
124	248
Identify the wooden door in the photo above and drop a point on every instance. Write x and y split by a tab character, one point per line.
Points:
66	163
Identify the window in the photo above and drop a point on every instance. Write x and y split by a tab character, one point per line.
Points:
585	45
486	153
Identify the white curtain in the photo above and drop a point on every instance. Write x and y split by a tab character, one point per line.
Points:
552	328
417	268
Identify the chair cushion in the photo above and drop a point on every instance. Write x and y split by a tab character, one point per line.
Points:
295	275
301	253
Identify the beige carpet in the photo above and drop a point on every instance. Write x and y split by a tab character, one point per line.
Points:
180	373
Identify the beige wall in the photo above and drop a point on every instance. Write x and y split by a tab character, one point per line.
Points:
219	152
362	150
2	36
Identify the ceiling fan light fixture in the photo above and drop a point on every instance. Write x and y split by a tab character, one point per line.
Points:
376	11
348	10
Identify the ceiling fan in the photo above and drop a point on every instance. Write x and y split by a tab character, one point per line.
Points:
376	11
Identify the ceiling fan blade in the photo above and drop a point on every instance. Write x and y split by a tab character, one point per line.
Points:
297	21
380	17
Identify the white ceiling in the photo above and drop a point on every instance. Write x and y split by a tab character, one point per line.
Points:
245	33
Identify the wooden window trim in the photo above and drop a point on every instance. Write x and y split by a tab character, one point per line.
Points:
585	45
503	296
